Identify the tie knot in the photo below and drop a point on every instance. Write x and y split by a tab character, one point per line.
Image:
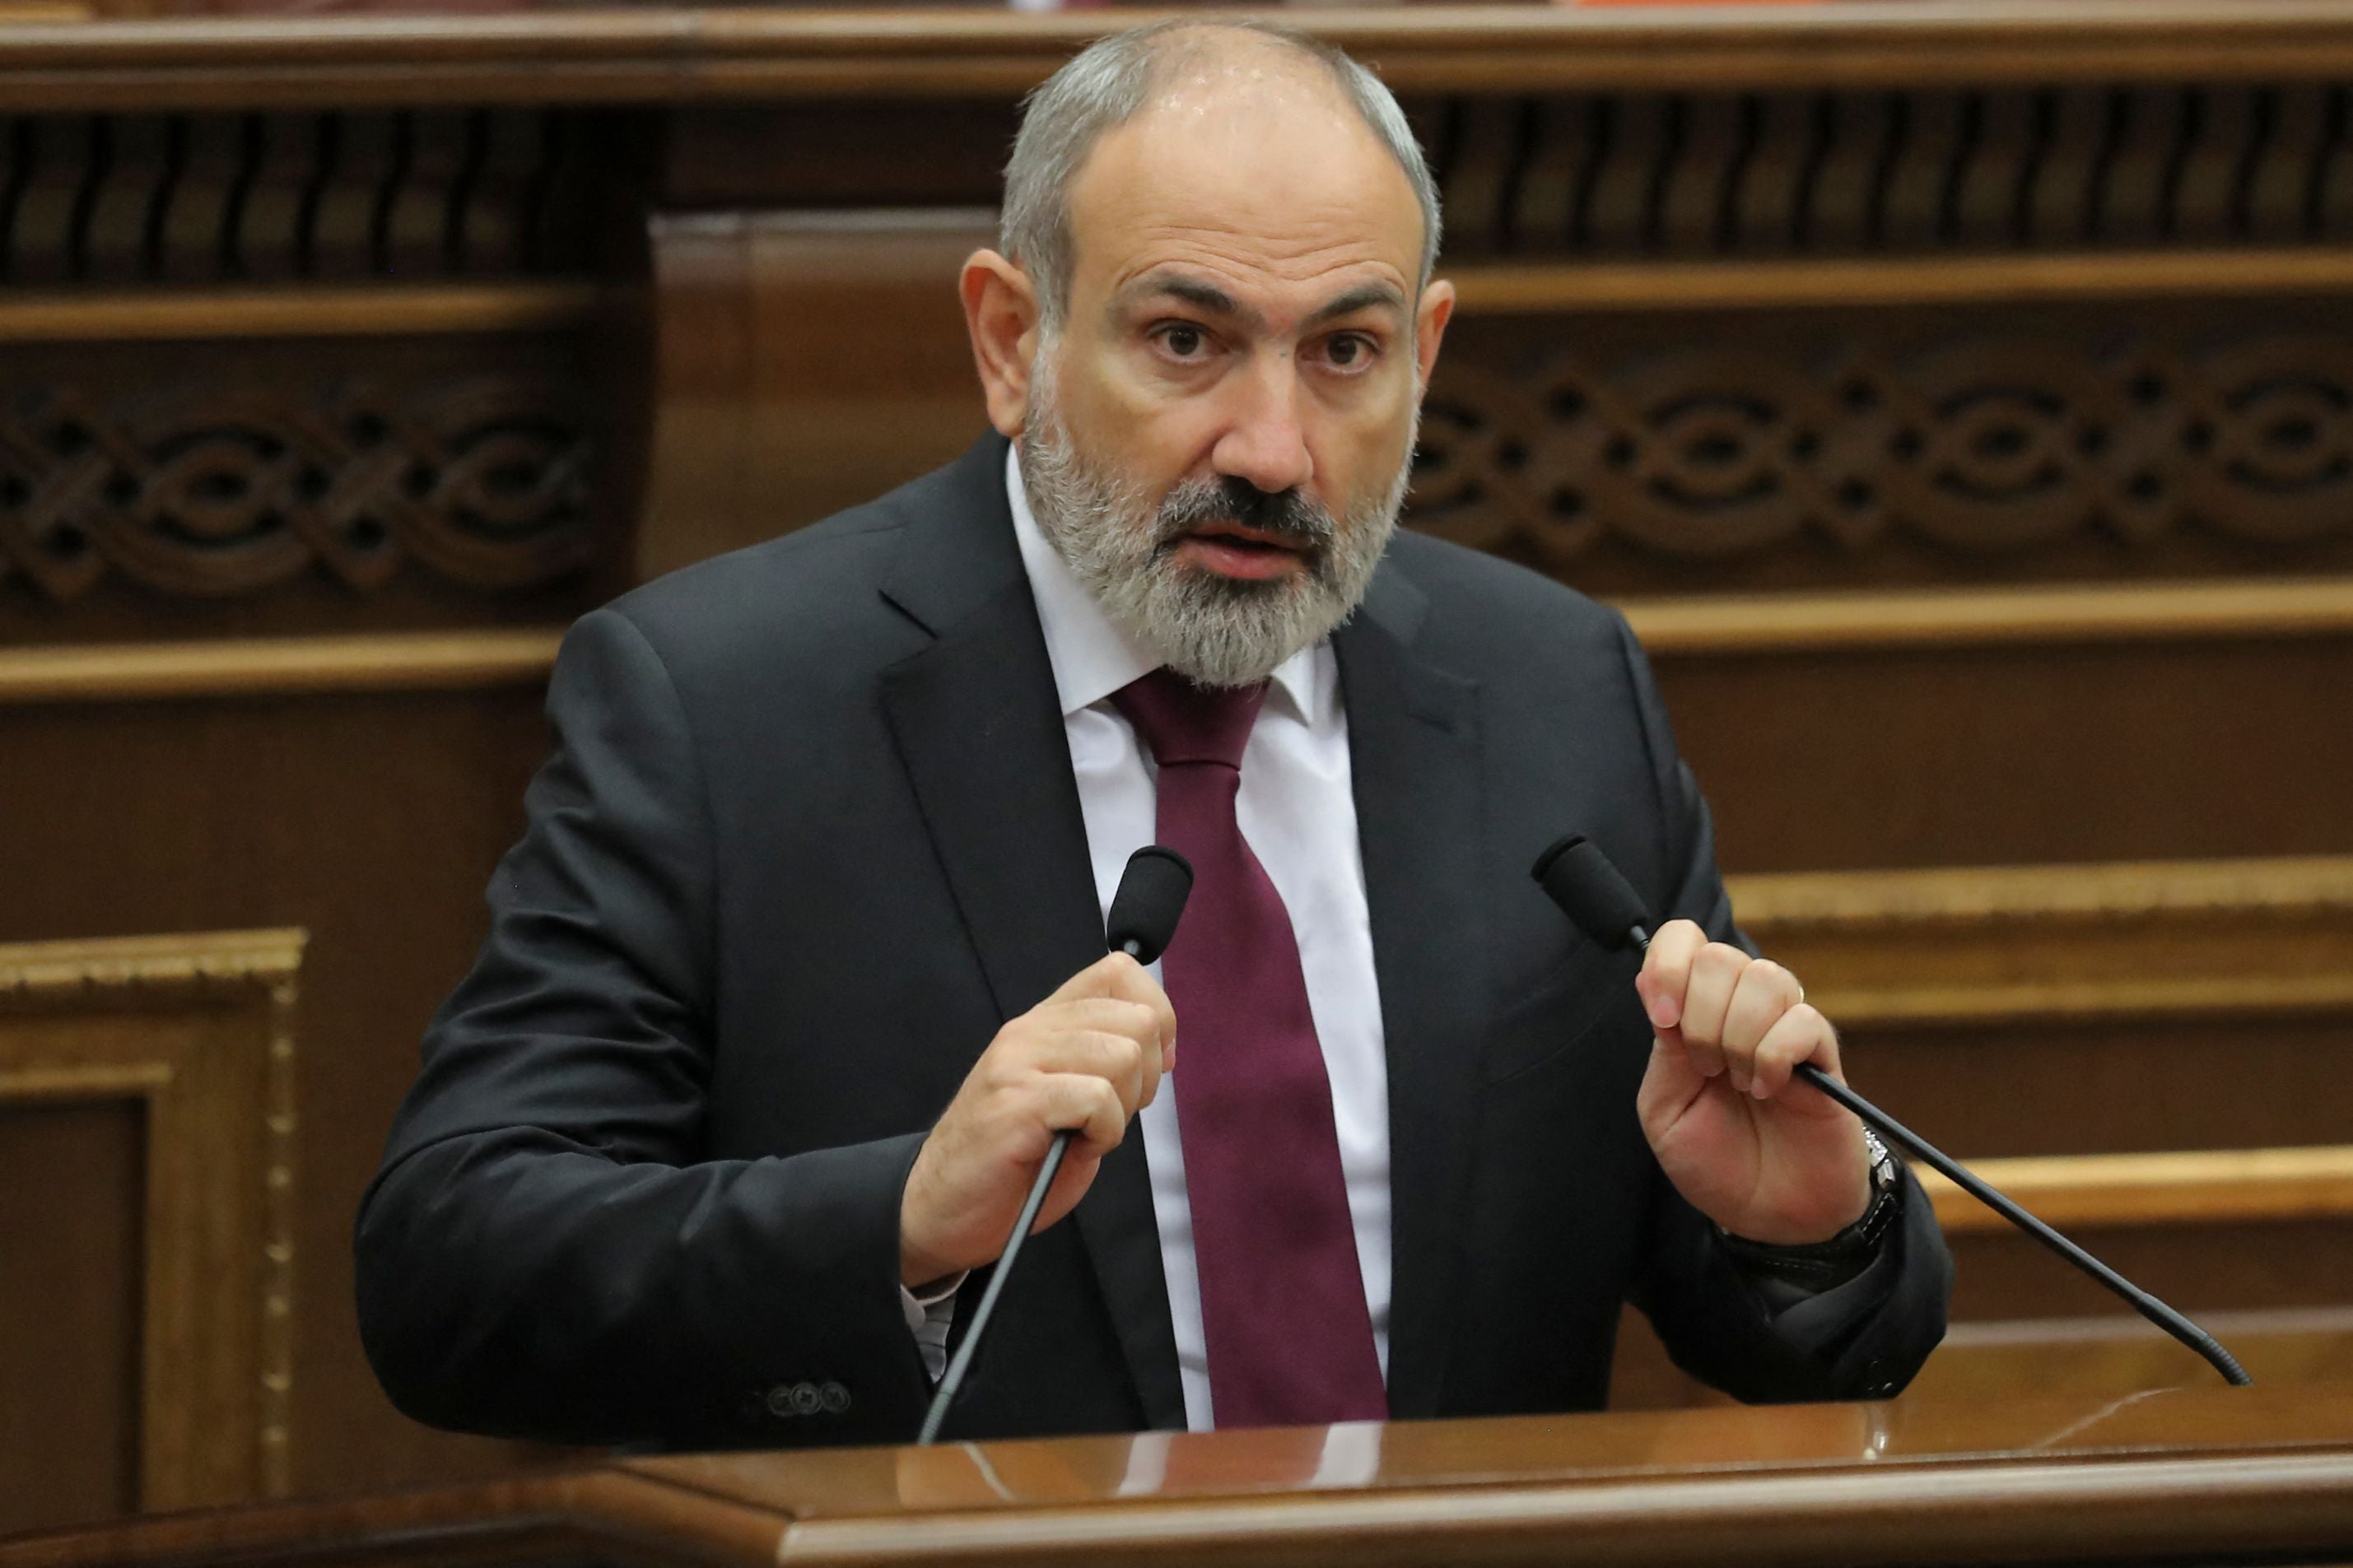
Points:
1183	722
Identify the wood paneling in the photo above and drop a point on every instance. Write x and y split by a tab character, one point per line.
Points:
1953	395
70	1308
372	818
773	413
196	1035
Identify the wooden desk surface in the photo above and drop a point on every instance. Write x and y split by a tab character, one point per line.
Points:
2159	1477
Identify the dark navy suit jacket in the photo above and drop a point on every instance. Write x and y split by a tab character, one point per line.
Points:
810	836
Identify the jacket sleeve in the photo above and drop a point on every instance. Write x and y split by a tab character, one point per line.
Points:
546	1253
1864	1338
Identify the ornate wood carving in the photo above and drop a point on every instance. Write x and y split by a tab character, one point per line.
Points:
224	486
200	1029
201	198
1686	173
1986	446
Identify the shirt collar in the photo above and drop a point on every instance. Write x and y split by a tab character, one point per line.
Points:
1092	658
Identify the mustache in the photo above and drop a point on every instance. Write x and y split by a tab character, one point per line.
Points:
1287	514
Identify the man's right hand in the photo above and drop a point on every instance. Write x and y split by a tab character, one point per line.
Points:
1086	1058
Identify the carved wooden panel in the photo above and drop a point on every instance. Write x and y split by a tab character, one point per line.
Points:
200	198
1702	449
1690	174
227	485
198	1032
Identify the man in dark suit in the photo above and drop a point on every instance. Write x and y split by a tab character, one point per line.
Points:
799	964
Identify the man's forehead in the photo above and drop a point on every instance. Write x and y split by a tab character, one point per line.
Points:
1228	177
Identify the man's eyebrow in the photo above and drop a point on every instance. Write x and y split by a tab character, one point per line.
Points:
1201	296
1364	297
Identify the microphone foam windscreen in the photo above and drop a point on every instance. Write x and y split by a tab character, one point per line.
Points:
1590	891
1150	900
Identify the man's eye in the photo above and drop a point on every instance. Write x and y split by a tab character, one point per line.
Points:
1184	342
1349	352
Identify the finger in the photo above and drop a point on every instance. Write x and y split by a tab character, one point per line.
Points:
1666	971
1800	1034
1133	983
1101	978
1118	1059
1763	992
1118	975
1084	1105
1137	1021
1714	970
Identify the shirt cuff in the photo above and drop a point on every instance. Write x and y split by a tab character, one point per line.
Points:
929	1317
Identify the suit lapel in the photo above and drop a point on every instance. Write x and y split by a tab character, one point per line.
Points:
981	734
1415	752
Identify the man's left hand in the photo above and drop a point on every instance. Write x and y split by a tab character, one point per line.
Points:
1765	1157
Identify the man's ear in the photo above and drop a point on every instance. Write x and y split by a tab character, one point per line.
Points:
1000	311
1437	309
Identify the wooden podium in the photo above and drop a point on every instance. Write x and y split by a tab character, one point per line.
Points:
2177	1476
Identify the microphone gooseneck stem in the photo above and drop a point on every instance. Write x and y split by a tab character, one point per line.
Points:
1962	1177
961	1361
952	1381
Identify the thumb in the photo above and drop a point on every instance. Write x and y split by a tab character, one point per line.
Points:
1669	1086
1101	978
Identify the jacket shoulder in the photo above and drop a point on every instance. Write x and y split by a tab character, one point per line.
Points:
814	590
1481	602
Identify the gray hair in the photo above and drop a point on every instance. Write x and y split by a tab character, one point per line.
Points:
1103	88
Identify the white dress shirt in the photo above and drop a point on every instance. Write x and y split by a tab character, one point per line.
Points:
1298	812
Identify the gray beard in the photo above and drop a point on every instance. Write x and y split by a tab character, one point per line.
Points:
1214	630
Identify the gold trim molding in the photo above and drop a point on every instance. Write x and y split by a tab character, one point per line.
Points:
311	310
1963	947
2203	1186
1997	617
396	661
1498	289
200	1030
1669	629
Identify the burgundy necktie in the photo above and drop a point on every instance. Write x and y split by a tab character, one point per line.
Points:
1283	1297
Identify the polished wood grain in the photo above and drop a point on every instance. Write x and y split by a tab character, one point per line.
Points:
410	661
358	311
1754	283
2176	1187
1992	618
2119	1356
2054	1481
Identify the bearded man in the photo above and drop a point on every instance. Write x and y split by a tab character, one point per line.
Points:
797	969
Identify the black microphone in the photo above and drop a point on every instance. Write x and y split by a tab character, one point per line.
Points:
1597	897
1143	923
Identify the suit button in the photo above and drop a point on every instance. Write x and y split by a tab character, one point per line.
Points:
806	1400
780	1401
835	1398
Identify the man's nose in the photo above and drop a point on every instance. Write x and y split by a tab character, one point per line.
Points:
1264	443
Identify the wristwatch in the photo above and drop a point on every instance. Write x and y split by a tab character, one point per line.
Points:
1824	1264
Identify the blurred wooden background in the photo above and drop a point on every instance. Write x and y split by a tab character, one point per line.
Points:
1959	398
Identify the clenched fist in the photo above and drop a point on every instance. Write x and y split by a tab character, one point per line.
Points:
1086	1059
1765	1157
